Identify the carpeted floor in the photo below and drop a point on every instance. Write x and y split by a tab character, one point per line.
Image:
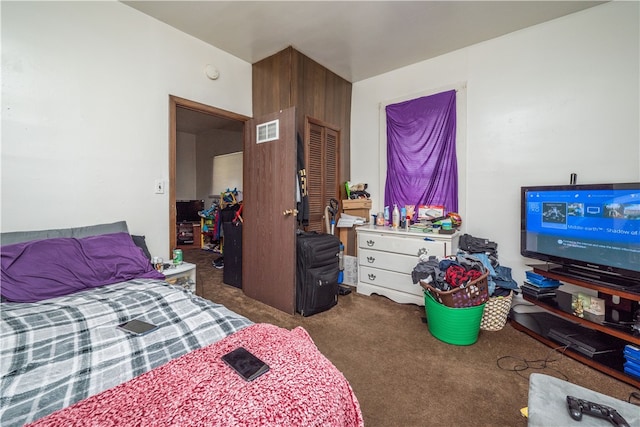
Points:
402	375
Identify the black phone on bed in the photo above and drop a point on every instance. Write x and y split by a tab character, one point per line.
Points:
137	327
245	363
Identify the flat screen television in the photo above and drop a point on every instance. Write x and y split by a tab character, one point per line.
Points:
588	231
187	210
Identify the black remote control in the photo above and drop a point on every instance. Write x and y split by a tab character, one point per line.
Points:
577	407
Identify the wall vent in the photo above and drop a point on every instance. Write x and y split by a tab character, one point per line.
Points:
269	131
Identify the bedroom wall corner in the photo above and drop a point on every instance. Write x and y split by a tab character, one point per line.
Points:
542	102
85	113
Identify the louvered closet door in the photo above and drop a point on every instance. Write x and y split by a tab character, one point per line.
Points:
322	171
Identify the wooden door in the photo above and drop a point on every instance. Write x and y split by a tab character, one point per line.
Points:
322	145
268	235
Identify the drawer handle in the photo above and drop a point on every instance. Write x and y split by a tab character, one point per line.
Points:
370	243
371	259
423	251
372	276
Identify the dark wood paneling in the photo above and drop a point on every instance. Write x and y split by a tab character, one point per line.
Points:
271	81
289	78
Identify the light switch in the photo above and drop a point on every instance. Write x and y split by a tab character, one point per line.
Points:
159	188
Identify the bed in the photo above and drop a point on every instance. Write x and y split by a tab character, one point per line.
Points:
64	362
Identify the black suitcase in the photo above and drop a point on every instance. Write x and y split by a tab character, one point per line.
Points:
316	272
232	252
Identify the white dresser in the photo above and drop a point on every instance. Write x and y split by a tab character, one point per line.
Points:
386	258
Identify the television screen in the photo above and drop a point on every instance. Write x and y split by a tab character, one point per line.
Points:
590	230
187	210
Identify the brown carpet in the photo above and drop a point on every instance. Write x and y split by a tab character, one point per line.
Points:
401	374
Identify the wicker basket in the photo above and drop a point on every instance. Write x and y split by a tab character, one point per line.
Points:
495	313
474	293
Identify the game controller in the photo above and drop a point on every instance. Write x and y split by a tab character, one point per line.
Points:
577	407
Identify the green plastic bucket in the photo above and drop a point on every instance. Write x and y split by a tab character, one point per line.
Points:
458	326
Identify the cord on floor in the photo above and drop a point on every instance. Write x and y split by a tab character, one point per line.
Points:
520	364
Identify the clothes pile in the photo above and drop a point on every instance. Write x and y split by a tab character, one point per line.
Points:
475	256
449	272
500	281
227	209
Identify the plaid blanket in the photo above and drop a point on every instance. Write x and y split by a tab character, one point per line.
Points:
59	351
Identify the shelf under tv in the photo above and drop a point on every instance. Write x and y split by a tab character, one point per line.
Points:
559	313
619	286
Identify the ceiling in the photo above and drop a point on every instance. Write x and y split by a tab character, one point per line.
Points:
354	39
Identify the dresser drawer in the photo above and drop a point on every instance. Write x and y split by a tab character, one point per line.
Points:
387	260
389	280
387	257
407	245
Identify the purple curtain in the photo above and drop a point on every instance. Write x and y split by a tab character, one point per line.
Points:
421	152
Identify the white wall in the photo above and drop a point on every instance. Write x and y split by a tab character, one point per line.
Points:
185	166
543	102
85	97
85	89
210	144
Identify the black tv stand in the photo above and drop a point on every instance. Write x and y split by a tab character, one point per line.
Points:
559	315
614	282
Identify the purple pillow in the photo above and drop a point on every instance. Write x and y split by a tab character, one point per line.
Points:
42	269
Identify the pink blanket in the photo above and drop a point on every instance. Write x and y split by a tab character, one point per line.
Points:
302	388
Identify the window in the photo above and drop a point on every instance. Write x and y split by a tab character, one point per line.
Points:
421	152
227	173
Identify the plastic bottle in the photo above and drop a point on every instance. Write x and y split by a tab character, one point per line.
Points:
396	216
386	216
341	264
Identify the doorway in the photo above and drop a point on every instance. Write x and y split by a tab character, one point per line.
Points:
206	131
269	199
